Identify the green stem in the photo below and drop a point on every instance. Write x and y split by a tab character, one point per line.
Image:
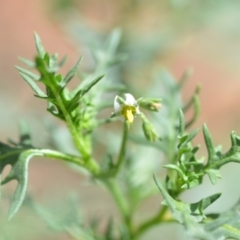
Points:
160	217
122	149
90	163
62	156
120	202
47	153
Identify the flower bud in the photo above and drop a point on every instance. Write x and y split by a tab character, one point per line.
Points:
149	130
152	104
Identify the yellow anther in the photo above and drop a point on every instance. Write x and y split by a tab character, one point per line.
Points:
129	116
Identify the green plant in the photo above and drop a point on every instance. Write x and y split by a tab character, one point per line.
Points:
119	170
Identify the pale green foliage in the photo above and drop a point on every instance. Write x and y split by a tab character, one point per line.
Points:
125	174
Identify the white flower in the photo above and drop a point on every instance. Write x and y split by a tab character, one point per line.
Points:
127	108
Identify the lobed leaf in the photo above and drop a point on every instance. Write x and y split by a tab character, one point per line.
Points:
209	144
71	73
185	212
33	85
181	123
19	160
39	46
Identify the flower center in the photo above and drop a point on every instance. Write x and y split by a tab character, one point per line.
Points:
128	112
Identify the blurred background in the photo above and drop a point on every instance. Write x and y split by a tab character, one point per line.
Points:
170	34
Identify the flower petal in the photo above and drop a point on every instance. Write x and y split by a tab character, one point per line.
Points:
117	107
138	112
130	100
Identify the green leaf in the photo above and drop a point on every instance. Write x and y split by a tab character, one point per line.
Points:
85	89
181	122
209	144
62	62
33	85
113	42
227	225
71	73
185	212
39	46
204	203
27	62
32	75
53	60
196	111
178	169
185	76
18	157
19	160
184	140
213	175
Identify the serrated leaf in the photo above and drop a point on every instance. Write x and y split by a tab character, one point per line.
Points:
62	62
85	89
188	138
191	184
19	160
178	169
32	75
204	203
213	175
39	46
33	85
192	135
71	73
27	62
185	212
53	60
18	157
225	225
